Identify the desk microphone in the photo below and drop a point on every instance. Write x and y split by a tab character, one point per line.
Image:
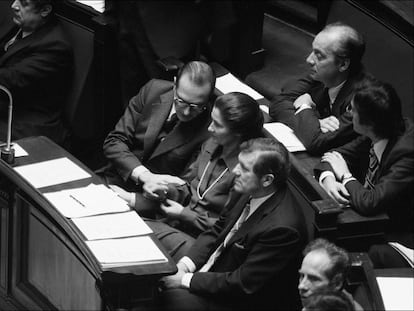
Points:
7	152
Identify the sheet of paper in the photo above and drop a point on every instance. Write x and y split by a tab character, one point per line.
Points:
18	150
405	252
397	293
229	83
126	251
51	172
98	5
87	201
112	226
285	135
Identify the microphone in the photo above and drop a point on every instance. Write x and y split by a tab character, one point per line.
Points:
7	152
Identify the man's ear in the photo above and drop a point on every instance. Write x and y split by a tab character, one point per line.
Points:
337	282
46	10
267	180
344	64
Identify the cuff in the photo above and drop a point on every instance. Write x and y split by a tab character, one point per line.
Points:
188	214
186	280
345	181
136	172
324	175
303	107
188	263
132	196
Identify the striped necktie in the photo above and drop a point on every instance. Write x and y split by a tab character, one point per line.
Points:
372	169
207	266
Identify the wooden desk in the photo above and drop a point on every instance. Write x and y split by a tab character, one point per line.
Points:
45	263
324	216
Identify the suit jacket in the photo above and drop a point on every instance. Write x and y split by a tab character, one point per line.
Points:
306	122
135	139
394	179
37	70
258	268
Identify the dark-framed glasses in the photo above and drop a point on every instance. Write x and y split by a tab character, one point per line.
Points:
184	104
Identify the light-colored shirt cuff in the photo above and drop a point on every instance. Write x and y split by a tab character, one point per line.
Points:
303	107
186	280
324	175
188	263
348	180
136	172
131	201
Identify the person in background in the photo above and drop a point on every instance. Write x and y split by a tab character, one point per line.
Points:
316	106
248	259
374	173
35	65
161	129
328	301
324	267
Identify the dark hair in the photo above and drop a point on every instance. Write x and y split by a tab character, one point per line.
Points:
351	45
272	158
339	257
378	106
199	73
241	114
328	300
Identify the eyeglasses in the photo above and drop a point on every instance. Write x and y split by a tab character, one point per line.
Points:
183	104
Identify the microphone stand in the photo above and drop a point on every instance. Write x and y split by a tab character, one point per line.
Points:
7	152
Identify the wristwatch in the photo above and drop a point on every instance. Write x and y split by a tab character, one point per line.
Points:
346	176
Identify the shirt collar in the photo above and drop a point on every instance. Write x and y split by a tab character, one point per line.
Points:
334	91
256	202
230	159
379	148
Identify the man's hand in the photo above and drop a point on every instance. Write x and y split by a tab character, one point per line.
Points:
337	162
304	99
329	124
156	184
123	194
172	281
172	209
336	190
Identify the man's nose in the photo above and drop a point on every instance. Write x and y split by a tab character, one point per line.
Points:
309	59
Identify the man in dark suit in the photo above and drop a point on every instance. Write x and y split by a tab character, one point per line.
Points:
35	62
315	106
161	129
248	259
374	173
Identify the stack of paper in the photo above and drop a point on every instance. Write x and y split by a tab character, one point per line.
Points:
229	83
87	201
405	252
112	226
52	172
126	252
285	135
397	293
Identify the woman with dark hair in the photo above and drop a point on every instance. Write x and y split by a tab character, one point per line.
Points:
193	207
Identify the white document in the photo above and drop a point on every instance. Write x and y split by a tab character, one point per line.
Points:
285	135
98	5
397	293
87	201
405	252
112	226
229	83
126	251
51	172
18	150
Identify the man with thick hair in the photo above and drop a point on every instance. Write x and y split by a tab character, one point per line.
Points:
247	260
316	106
324	267
374	173
161	129
35	63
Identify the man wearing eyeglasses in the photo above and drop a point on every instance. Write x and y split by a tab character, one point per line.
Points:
161	129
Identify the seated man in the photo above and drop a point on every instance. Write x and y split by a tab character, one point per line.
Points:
321	99
374	173
247	260
324	267
35	63
161	129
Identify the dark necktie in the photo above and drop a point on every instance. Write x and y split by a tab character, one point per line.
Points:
169	124
325	104
372	169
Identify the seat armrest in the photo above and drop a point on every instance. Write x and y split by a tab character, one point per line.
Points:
169	64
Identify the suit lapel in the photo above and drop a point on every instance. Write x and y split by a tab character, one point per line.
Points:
159	113
338	106
267	207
